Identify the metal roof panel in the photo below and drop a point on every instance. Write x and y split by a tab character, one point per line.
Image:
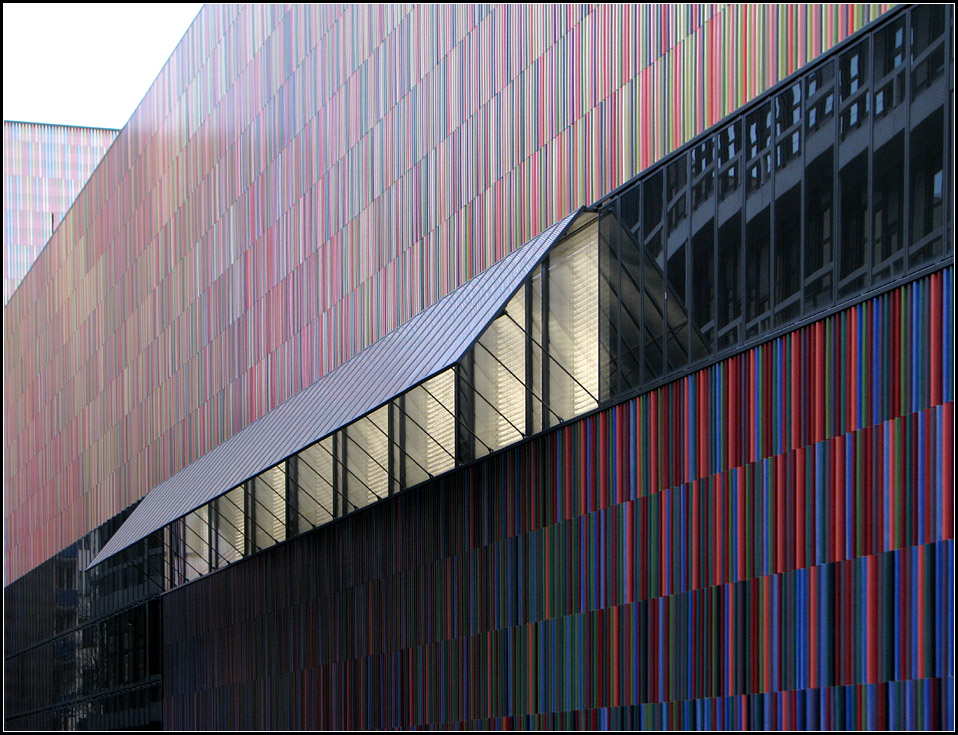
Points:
424	345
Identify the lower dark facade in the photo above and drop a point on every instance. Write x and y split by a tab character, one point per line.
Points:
766	543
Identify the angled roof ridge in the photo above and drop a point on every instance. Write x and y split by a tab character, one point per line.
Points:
416	350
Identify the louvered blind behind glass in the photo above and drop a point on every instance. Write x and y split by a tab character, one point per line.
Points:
269	512
430	428
499	375
367	459
574	325
230	519
196	540
314	476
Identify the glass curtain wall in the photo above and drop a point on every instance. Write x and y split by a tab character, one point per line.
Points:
822	190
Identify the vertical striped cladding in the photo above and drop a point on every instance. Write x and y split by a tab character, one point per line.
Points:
44	167
300	180
767	543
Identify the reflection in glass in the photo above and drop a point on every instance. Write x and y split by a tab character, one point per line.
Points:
927	180
888	192
819	176
729	147
820	79
757	259
702	290
927	25
889	48
788	109
854	69
788	244
854	222
758	127
653	320
927	71
730	245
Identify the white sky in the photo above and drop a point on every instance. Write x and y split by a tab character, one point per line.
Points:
85	64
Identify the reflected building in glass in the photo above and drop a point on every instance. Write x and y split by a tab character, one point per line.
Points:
680	458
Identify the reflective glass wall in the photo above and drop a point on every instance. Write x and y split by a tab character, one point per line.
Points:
829	186
83	648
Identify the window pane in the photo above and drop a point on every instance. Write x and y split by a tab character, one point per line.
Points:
630	316
701	157
230	526
703	290
314	477
729	148
854	222
757	265
820	85
820	79
888	191
818	230
890	48
788	245
196	538
269	508
788	108
927	181
927	71
499	375
927	25
651	203
653	320
537	337
730	244
758	130
367	460
854	69
430	428
574	324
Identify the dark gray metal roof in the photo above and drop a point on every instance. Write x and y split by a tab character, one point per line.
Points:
428	343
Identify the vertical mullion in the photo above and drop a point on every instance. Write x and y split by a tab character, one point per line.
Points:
249	517
802	193
292	496
544	321
397	444
947	205
529	367
465	401
615	313
869	255
906	227
714	306
836	242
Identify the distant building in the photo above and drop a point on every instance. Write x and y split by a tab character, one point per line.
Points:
498	367
44	168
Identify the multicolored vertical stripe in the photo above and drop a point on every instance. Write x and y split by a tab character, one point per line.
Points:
300	180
